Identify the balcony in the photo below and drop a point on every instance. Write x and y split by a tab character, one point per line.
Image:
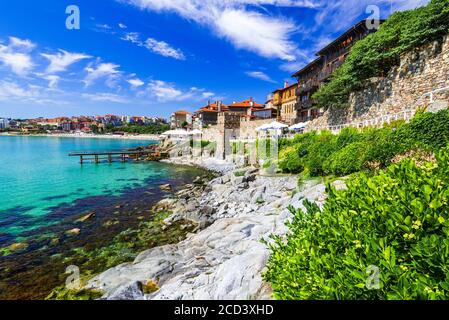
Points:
308	86
304	105
327	71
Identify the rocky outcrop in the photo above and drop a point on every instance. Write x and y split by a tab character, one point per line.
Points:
226	258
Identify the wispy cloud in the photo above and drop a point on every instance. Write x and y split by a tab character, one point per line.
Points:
133	37
53	81
168	92
60	61
135	83
156	46
122	26
260	75
105	97
331	12
16	56
164	49
238	22
109	71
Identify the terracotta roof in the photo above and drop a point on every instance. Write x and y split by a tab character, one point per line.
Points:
245	104
181	112
212	108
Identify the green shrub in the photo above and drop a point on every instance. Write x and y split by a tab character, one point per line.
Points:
397	221
429	130
348	136
292	162
353	150
319	152
348	160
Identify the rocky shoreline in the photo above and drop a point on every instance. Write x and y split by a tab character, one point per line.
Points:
224	258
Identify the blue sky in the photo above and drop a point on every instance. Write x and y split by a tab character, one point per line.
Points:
152	57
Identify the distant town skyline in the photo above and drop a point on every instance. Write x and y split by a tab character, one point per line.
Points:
141	57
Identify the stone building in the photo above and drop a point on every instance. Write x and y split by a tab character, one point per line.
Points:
420	81
317	73
208	115
180	119
286	101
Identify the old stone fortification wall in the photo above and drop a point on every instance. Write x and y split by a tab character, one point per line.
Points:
245	130
211	133
399	93
248	128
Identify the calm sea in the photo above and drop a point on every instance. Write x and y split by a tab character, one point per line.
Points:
37	176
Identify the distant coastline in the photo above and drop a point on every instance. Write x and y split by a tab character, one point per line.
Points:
144	137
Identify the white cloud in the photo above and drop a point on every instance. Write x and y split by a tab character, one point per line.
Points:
104	26
251	25
109	71
62	60
53	81
238	22
21	43
260	75
331	13
133	37
16	55
207	95
135	83
10	90
105	97
166	92
164	49
158	47
122	26
269	37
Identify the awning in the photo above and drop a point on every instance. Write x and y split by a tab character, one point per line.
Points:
298	126
272	126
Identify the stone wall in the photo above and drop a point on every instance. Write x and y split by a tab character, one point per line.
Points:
248	127
211	133
401	92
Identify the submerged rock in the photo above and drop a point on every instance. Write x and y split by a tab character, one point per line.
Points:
166	187
87	217
73	232
18	246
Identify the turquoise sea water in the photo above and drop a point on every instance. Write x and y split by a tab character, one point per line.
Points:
37	176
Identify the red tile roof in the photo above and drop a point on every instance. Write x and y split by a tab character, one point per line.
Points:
246	104
181	112
213	108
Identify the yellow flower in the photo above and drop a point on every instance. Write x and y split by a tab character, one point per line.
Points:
417	224
358	244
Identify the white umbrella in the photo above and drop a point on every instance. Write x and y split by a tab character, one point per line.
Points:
262	127
195	132
298	126
175	133
275	126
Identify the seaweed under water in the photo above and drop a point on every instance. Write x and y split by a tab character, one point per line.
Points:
94	234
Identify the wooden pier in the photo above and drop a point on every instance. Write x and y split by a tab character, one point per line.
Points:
111	156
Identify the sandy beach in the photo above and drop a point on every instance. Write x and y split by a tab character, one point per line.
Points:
90	136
